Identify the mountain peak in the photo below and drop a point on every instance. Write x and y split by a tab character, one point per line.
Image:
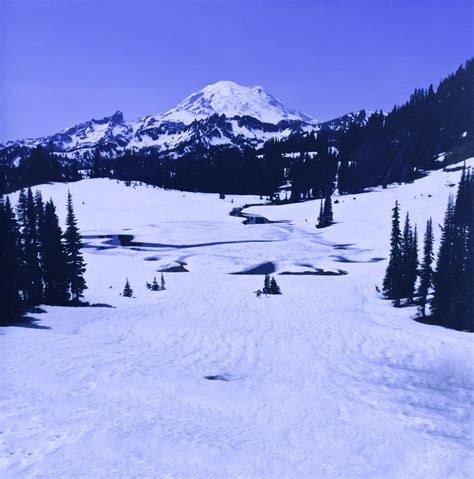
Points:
228	98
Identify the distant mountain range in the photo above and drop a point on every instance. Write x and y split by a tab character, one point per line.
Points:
222	114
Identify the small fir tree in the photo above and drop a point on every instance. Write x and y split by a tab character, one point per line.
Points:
266	285
127	290
274	288
326	217
327	211
162	283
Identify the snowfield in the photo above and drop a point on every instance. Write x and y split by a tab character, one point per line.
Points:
327	380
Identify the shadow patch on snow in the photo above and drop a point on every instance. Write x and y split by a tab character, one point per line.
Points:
343	246
316	272
264	268
25	321
175	269
126	241
343	259
430	320
220	377
152	258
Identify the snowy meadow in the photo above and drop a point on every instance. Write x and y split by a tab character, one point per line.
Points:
205	379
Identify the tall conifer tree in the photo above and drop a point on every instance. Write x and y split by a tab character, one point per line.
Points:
392	283
31	274
9	261
75	261
55	269
441	305
426	276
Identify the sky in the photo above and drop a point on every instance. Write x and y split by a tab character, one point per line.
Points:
67	61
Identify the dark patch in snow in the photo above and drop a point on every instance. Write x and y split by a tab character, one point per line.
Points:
343	259
127	242
175	269
25	322
431	320
317	272
343	246
254	219
264	268
220	377
152	258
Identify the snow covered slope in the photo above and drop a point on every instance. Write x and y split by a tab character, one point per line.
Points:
231	99
327	380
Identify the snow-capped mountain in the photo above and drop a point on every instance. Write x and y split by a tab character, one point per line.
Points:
222	114
231	99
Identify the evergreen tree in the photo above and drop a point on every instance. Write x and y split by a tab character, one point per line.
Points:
327	212
55	268
426	276
155	286
452	304
31	275
409	265
75	261
412	265
39	206
127	290
462	295
392	283
274	288
162	283
9	261
21	216
444	277
469	270
21	208
98	169
320	223
266	285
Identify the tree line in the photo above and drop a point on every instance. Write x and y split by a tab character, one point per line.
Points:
41	264
448	288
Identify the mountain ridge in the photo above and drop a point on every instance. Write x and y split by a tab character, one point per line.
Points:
222	113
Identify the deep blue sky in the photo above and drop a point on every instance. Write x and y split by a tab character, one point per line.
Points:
62	62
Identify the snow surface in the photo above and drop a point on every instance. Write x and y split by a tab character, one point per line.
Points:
327	380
